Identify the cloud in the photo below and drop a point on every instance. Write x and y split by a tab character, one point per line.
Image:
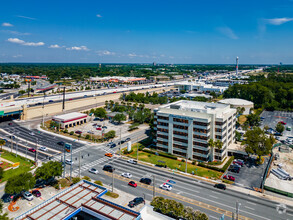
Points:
278	21
55	46
15	32
105	53
132	55
17	56
99	16
30	18
228	32
78	48
22	42
6	24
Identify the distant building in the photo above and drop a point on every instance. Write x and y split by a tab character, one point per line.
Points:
184	128
160	78
199	86
177	77
154	63
235	103
71	119
118	79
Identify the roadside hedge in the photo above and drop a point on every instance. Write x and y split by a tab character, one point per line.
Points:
223	169
160	154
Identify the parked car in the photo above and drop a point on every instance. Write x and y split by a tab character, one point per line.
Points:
108	168
108	154
32	150
99	129
132	183
220	186
228	177
132	161
96	119
101	119
127	139
288	128
90	132
238	162
234	169
135	202
36	193
121	142
93	170
95	124
105	127
147	181
282	122
69	162
127	175
78	132
61	143
98	125
166	186
27	195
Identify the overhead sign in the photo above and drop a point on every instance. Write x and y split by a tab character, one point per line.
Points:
68	147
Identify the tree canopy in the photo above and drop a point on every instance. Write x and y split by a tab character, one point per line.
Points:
18	183
99	112
119	118
48	170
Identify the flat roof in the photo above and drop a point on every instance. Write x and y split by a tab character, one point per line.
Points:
83	196
236	102
69	116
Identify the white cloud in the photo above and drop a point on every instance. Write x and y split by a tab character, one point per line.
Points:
17	56
55	46
132	55
30	18
78	48
228	32
278	21
15	32
6	24
105	53
22	42
99	16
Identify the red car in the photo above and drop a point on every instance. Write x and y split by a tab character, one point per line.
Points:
32	150
238	162
132	183
114	92
99	129
228	177
36	193
283	123
78	132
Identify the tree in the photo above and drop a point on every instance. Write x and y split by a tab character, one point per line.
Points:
119	118
257	142
2	142
18	183
1	172
100	112
253	120
3	216
140	117
280	128
21	92
211	144
219	144
48	170
238	136
110	134
266	127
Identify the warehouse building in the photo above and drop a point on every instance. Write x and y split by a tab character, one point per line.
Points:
184	128
71	119
239	103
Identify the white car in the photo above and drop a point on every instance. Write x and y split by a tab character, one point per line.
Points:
27	195
42	148
166	186
132	161
127	175
69	162
93	170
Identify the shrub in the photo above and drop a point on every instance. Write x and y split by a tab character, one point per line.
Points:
127	152
193	163
223	169
160	153
98	182
87	136
182	160
132	128
113	195
86	178
71	133
75	180
65	131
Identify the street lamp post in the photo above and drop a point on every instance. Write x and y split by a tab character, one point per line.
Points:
154	188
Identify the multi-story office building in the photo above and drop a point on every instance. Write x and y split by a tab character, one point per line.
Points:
184	128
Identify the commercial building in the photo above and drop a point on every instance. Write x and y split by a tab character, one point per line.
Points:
119	79
80	201
70	119
199	86
184	128
241	103
160	78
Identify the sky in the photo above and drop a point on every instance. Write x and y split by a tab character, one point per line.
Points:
144	31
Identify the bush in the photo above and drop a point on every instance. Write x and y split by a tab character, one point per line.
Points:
193	163
113	195
87	136
223	169
65	131
86	178
75	180
160	153
71	133
127	152
132	128
182	160
98	182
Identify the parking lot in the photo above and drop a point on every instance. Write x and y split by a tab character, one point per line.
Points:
271	119
250	174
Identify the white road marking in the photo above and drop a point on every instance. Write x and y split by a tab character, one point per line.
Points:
213	217
252	203
214	196
249	208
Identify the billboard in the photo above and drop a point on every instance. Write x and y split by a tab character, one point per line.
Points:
67	147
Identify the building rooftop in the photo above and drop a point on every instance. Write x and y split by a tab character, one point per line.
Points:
69	116
236	102
81	197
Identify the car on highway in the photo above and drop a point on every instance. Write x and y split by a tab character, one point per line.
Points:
43	148
69	162
132	183
147	181
166	186
36	193
108	154
108	168
113	145
109	144
27	195
228	177
121	142
51	101
61	143
78	132
127	139
132	161
70	99
32	149
127	175
93	170
282	122
220	186
114	92
135	202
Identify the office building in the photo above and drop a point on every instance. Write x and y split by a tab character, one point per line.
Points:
184	128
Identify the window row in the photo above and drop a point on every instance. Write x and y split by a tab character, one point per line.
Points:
180	120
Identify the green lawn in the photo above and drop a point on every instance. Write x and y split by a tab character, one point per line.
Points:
173	164
23	167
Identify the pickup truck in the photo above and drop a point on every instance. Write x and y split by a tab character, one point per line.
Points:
132	161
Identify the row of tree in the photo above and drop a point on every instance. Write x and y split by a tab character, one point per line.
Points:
145	98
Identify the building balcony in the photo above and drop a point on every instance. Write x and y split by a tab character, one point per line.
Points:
180	123
162	145
202	127
155	122
180	143
162	120
180	136
201	155
203	134
162	139
200	147
163	127
162	133
200	140
178	149
180	130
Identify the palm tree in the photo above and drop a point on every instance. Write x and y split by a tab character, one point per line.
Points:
219	144
106	103
2	142
211	144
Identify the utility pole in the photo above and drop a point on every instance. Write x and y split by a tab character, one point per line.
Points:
237	209
120	143
26	150
137	150
154	188
36	159
63	104
64	164
186	162
79	166
113	180
71	163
